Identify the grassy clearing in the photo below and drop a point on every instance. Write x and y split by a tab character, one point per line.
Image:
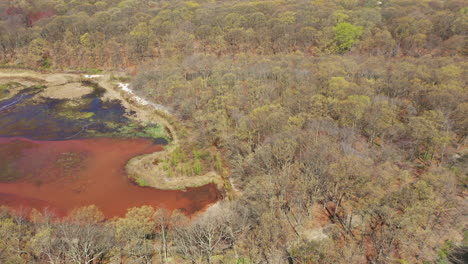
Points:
141	182
143	130
91	70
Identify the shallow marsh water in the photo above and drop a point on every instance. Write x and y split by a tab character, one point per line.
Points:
63	154
31	116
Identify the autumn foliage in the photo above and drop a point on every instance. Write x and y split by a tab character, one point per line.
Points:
342	126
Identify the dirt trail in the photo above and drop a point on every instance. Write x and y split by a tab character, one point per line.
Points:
52	79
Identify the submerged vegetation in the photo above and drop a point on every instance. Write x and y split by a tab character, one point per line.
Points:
339	127
5	90
60	119
10	155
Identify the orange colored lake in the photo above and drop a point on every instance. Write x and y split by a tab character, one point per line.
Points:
63	175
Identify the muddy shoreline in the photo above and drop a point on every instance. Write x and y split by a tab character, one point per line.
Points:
142	168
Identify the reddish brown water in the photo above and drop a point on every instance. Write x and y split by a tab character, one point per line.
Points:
62	175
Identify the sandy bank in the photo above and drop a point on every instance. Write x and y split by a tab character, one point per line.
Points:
67	91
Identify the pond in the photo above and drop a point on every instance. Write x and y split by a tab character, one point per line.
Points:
60	154
32	116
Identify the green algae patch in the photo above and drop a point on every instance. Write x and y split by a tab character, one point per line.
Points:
130	130
74	109
6	90
76	115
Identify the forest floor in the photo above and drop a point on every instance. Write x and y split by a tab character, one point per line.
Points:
147	169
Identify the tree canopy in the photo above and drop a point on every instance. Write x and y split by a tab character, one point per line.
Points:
341	126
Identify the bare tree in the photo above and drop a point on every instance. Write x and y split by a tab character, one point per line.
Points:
86	243
210	233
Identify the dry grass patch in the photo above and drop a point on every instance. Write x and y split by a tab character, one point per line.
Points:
67	91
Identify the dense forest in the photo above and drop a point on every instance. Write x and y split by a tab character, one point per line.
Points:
342	126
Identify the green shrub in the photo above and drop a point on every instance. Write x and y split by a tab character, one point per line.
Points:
197	167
